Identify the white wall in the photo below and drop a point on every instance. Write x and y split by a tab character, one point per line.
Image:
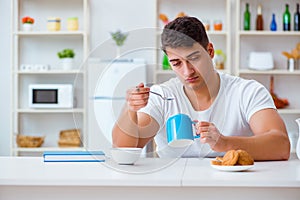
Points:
5	77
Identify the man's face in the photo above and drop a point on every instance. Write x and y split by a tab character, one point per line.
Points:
193	65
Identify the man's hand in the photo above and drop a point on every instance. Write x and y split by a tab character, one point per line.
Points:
209	134
137	97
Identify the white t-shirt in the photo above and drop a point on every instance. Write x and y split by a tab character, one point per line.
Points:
238	99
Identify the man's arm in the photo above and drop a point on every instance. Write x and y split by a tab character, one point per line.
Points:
134	129
270	140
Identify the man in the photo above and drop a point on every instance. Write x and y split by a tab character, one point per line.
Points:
232	113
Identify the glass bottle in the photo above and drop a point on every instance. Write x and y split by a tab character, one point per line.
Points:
219	59
286	19
259	19
297	19
247	17
165	63
273	25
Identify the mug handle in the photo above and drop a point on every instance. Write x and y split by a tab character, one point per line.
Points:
196	136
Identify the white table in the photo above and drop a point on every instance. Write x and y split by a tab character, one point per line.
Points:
151	178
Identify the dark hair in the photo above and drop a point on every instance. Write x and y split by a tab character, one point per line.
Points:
184	32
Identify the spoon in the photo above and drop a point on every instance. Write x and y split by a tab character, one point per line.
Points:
122	98
164	98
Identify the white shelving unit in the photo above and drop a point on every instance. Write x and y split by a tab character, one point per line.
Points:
40	46
202	10
286	83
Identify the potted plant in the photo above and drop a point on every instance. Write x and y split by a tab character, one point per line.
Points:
119	37
27	23
67	58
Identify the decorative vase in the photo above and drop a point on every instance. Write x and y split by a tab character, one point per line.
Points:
27	27
118	51
67	63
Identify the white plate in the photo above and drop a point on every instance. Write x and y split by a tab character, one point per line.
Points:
236	168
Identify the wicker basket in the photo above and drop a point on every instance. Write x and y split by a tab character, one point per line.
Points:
69	138
69	143
71	133
29	141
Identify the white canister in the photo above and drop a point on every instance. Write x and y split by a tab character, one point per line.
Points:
291	64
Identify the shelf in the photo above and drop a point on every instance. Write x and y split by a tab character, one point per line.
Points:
269	72
49	72
269	33
209	33
271	41
49	33
289	111
42	149
171	72
165	72
76	110
202	10
212	33
46	69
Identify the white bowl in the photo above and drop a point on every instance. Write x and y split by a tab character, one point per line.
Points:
125	155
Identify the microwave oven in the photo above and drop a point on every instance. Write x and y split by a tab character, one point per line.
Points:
51	96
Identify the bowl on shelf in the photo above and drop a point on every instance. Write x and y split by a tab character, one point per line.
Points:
29	141
125	155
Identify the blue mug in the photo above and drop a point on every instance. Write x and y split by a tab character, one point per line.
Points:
180	131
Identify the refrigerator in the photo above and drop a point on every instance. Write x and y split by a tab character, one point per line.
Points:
108	82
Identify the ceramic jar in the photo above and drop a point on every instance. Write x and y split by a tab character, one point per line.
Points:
72	24
53	24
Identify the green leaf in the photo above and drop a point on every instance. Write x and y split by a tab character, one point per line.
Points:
119	37
66	53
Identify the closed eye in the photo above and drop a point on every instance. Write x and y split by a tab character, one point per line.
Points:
176	64
194	58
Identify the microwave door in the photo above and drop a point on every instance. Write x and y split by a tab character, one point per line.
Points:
45	96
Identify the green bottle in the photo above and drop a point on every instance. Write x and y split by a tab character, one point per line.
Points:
286	19
165	63
247	17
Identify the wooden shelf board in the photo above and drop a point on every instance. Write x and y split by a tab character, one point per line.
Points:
269	33
42	149
289	111
171	72
49	33
55	72
75	110
269	72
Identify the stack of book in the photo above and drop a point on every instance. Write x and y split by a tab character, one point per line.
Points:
74	156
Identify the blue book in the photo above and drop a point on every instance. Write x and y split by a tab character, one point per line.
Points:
74	156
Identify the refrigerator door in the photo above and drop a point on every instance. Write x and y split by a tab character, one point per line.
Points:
108	83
